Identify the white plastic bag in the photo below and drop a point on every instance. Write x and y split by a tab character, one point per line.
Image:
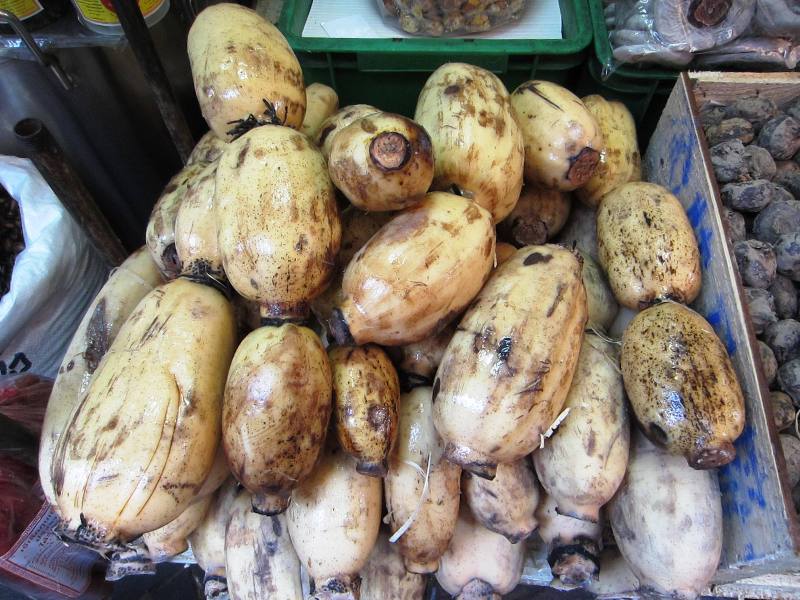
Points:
54	279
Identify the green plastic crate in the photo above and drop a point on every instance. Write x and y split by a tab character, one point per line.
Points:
625	77
389	73
644	90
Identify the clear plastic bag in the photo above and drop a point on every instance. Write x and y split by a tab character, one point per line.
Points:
778	18
450	17
669	32
760	52
706	33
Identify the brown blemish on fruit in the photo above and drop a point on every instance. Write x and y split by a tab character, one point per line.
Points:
472	213
401	228
368	126
325	133
378	417
96	338
300	142
559	295
242	154
536	258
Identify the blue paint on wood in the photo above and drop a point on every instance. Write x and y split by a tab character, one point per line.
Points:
742	483
704	236
681	153
697	210
720	321
696	213
728	488
750	553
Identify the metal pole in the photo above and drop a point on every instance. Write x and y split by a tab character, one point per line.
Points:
44	59
49	159
133	23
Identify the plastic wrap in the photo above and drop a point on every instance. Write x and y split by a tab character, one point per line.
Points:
757	52
778	18
54	278
450	17
718	33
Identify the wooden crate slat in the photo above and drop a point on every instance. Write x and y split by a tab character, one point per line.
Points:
760	529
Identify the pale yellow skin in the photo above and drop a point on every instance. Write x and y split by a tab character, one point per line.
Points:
276	411
646	246
506	372
277	222
238	60
357	228
562	139
218	475
196	228
645	523
476	140
382	181
560	530
321	102
616	578
423	358
171	539
503	252
160	233
333	521
331	126
602	304
133	456
385	576
418	272
538	216
260	561
366	399
681	384
207	150
507	503
479	564
208	540
115	301
417	441
583	463
571	543
620	161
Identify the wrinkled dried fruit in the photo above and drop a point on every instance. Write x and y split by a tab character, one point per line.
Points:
761	307
784	339
757	263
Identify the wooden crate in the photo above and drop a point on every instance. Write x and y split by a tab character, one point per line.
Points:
760	524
